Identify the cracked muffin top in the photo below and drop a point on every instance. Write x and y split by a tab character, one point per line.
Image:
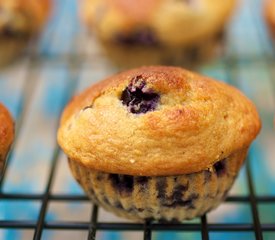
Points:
6	133
153	22
22	17
155	121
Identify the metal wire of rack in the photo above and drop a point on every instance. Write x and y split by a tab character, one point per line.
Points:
74	64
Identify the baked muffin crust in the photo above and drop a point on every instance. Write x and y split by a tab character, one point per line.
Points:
6	134
196	123
23	16
269	11
168	22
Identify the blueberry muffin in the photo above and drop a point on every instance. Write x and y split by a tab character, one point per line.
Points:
269	12
157	31
158	142
6	134
20	20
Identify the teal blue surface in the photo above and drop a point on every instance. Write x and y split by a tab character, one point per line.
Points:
36	92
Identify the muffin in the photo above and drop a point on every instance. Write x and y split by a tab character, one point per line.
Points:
157	31
20	20
6	135
158	142
269	12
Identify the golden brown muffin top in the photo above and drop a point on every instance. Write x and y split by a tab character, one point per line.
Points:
269	12
170	22
24	15
157	121
6	133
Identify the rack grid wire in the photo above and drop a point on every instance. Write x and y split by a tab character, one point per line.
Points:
63	63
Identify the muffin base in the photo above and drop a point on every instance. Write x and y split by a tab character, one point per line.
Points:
168	198
124	56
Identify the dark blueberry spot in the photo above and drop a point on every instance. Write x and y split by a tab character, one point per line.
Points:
161	186
177	198
114	179
140	209
220	168
123	183
138	98
142	181
178	192
188	203
144	37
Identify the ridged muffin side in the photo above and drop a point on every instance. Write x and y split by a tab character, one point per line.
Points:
168	198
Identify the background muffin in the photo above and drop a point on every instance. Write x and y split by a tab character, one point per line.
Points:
6	134
157	31
269	11
20	20
158	142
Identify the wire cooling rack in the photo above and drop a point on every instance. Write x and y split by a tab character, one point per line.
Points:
36	184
